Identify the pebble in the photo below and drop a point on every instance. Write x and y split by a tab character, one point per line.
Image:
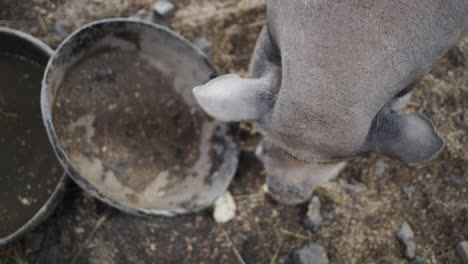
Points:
405	236
311	253
164	8
462	251
79	230
205	45
405	233
24	200
379	168
224	208
408	189
410	251
152	247
460	183
60	29
150	17
314	217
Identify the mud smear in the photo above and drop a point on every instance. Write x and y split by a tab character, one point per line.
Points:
29	171
128	131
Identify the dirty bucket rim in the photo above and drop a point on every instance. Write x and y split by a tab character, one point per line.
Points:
27	37
66	162
55	197
44	212
123	20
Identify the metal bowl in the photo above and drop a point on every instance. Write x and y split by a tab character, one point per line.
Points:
32	179
118	107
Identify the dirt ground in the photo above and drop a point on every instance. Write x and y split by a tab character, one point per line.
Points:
359	223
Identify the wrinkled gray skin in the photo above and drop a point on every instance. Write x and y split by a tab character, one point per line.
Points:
328	79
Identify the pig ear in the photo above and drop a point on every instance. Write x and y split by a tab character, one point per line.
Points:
232	98
410	138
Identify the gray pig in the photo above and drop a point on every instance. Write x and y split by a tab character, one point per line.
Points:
327	81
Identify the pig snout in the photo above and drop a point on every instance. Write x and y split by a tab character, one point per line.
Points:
291	181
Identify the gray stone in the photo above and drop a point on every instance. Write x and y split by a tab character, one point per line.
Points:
408	189
79	230
379	168
311	253
405	236
459	182
205	45
462	252
314	217
405	233
164	8
410	251
60	29
148	16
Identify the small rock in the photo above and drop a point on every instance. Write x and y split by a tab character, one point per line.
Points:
33	241
405	236
408	189
224	208
97	2
152	247
460	183
405	233
410	251
313	218
60	29
462	251
148	16
379	168
164	8
79	230
24	200
311	253
205	45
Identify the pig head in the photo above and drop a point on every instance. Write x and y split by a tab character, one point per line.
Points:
327	81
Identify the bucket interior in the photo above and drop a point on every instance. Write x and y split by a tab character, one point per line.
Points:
30	174
121	108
